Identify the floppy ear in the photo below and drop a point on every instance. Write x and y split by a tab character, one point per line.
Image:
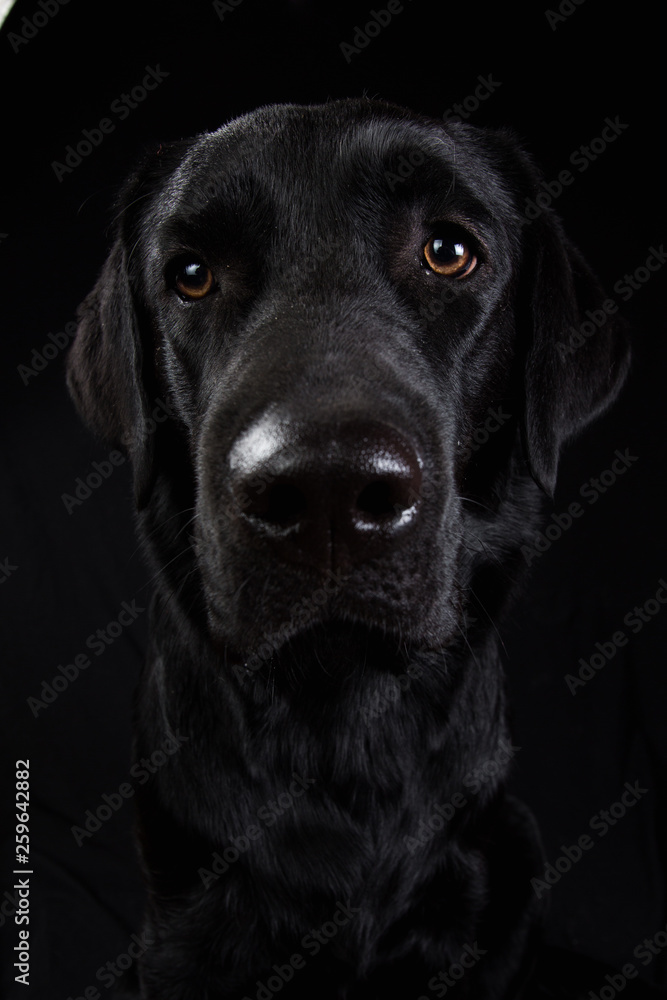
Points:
577	352
104	369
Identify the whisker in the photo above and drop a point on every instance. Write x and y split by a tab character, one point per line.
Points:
157	527
129	205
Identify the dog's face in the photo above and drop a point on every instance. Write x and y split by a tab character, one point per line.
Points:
356	333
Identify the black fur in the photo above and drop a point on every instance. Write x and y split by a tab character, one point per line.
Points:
385	697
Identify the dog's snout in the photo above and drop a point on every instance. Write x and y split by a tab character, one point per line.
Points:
331	495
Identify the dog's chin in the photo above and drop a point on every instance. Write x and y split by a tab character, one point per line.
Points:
334	652
331	641
325	651
353	620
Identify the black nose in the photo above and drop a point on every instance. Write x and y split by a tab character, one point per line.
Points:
328	495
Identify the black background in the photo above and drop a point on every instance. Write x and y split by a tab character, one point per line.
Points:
73	570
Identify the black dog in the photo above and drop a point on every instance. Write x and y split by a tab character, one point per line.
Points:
337	305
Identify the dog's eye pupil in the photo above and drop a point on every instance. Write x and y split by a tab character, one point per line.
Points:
449	255
447	251
195	273
193	280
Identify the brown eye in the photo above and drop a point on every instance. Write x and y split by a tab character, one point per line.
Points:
193	280
450	255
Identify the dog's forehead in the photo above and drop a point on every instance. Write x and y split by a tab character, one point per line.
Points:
281	135
291	152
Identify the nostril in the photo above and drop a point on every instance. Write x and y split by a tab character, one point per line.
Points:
379	500
281	503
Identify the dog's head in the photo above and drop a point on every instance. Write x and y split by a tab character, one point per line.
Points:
368	355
